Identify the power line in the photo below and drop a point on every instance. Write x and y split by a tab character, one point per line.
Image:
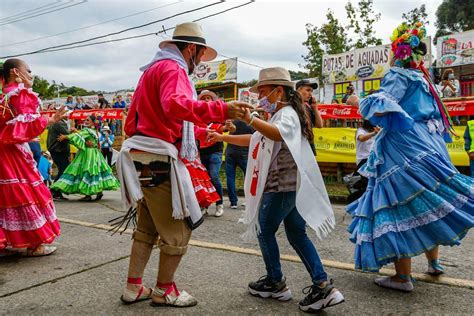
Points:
238	59
47	12
119	32
27	12
244	62
93	25
127	38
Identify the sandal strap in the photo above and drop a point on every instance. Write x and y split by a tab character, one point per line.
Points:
165	290
139	293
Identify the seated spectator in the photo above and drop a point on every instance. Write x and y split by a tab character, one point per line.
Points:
70	102
119	103
128	100
335	101
102	102
79	103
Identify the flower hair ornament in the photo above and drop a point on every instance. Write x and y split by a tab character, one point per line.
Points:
408	51
407	47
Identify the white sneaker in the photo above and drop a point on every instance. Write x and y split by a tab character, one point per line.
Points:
234	207
243	204
204	211
219	210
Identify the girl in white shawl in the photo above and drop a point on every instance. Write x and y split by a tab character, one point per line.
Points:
284	184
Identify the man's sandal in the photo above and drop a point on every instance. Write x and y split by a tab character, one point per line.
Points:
182	299
130	297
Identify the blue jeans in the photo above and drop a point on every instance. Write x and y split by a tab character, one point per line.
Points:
213	163
231	163
275	208
472	168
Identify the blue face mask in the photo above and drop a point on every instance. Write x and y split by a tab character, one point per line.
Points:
266	105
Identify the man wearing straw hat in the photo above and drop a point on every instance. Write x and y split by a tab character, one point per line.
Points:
160	126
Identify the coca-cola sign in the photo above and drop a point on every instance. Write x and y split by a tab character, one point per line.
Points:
106	114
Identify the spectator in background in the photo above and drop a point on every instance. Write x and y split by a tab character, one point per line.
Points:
102	102
128	99
335	101
106	141
365	136
35	148
60	151
119	103
235	156
45	168
70	102
211	155
305	89
449	85
469	144
79	103
113	127
353	100
349	91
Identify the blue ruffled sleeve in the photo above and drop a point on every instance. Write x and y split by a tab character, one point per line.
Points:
386	103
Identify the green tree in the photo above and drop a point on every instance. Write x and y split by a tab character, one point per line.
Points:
361	23
454	16
416	15
298	75
330	38
250	83
41	86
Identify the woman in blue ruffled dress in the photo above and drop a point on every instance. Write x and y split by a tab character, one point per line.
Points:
416	200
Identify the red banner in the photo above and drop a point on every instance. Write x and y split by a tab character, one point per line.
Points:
345	112
337	111
106	114
460	108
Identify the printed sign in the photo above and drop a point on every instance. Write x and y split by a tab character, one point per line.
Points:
362	63
215	71
246	96
456	49
338	145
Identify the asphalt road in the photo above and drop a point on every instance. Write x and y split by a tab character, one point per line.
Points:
88	272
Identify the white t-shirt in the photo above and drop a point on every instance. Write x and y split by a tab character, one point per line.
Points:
448	92
363	148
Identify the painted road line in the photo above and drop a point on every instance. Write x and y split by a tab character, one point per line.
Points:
442	280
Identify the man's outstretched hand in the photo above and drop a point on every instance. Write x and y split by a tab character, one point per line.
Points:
236	109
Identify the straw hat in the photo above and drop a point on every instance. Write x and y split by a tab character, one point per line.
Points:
191	32
106	128
208	93
276	76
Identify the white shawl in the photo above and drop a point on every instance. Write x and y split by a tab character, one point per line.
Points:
312	200
184	201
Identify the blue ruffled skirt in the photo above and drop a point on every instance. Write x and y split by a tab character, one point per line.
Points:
415	200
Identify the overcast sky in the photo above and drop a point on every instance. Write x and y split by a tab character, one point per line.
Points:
264	33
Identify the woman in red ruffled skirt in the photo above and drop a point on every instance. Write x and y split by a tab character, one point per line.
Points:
27	214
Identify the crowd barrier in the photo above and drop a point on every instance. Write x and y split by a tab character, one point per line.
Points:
334	144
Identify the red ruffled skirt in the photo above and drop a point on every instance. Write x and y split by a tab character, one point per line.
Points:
27	215
205	191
